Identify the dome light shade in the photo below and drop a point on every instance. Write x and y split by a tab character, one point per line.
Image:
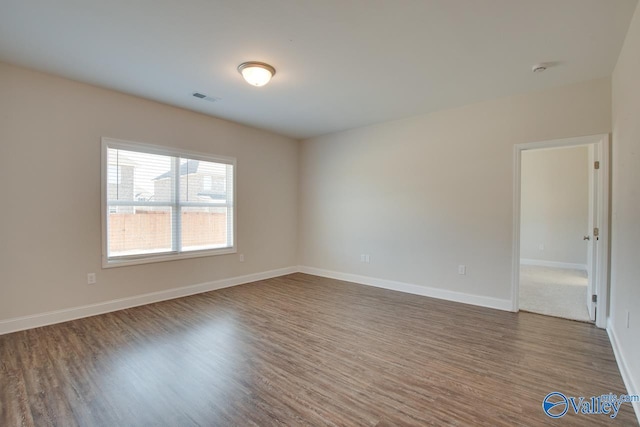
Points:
256	73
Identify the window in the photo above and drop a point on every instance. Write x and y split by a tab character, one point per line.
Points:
162	204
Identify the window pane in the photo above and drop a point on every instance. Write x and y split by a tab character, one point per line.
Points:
139	230
133	176
203	182
205	228
164	204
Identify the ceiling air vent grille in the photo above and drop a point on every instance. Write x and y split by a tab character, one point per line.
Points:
205	97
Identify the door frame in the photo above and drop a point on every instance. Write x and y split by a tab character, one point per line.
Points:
601	143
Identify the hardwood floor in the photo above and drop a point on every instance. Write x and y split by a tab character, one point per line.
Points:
308	351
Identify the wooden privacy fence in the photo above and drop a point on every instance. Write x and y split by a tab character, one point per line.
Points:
152	230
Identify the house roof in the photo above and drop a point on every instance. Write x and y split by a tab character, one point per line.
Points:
191	166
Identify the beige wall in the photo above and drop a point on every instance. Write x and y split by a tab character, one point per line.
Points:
555	205
50	131
625	239
425	194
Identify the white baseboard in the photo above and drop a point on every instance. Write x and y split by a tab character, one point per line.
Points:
489	302
553	264
632	387
27	322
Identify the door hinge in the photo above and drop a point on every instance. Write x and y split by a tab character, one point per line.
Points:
596	165
594	298
596	232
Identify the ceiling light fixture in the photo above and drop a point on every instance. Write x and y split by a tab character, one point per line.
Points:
256	73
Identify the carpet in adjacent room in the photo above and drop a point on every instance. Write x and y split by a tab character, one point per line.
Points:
554	292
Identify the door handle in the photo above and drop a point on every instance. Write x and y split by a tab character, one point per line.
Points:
586	238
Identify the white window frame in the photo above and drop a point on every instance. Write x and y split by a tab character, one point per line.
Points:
163	256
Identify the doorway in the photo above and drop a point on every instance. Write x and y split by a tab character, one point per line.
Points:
560	246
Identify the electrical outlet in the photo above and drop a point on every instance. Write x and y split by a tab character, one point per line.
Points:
91	278
541	246
241	257
366	258
462	269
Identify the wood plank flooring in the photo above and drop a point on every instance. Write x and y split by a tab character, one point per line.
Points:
300	350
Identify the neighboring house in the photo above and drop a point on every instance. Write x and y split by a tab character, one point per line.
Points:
200	182
120	181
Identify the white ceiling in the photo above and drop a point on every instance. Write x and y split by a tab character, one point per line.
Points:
340	63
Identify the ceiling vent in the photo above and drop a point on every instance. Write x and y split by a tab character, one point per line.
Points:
205	97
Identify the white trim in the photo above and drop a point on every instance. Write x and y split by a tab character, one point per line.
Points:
553	264
176	252
632	387
58	316
515	247
563	142
592	218
164	256
602	286
603	254
483	301
164	150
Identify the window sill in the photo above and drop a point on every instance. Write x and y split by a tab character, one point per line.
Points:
153	258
